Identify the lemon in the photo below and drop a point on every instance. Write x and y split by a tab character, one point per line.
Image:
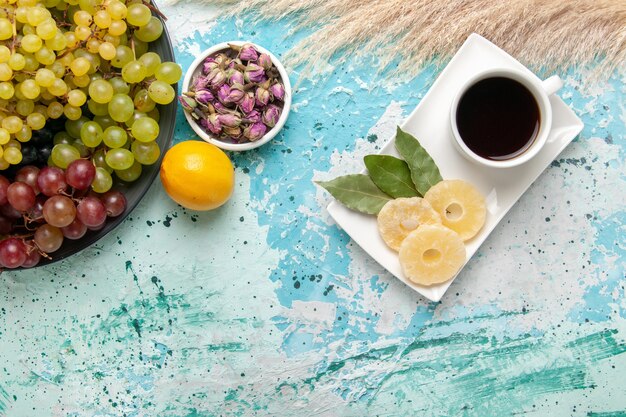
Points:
197	175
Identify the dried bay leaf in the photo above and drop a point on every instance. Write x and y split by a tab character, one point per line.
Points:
392	175
424	171
357	192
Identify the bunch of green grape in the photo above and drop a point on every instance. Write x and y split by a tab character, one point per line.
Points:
84	65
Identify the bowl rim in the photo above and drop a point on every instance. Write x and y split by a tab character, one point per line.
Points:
272	132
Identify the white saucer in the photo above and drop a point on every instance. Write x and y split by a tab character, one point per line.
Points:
429	123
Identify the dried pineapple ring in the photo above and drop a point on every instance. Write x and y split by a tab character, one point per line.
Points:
460	205
431	254
401	216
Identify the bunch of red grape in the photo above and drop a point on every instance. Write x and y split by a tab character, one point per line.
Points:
43	206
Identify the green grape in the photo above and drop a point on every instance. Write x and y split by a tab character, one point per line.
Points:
119	158
93	45
105	121
5	72
93	58
31	43
3	164
154	114
131	174
138	15
37	15
102	19
55	110
73	127
5	53
30	89
12	156
117	9
62	138
101	91
117	28
6	90
62	155
114	137
82	18
76	98
36	120
98	159
146	153
24	134
91	134
119	85
6	29
58	42
5	136
134	72
12	124
121	108
58	88
150	32
25	107
82	81
80	66
17	62
151	61
122	57
44	77
161	92
13	144
82	33
71	40
84	150
47	29
71	112
98	109
57	68
140	46
107	50
88	5
45	56
143	102
136	115
102	182
145	129
169	72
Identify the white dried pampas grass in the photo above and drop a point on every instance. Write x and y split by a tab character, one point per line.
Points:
544	34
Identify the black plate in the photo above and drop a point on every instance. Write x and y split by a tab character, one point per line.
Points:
134	191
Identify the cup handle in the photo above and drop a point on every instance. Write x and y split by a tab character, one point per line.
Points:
552	85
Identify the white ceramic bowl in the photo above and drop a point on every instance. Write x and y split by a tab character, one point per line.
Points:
195	68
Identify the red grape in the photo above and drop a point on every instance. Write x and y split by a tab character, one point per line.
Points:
115	203
51	181
80	174
35	214
13	252
74	230
28	175
59	210
4	185
91	211
96	228
21	196
32	259
48	238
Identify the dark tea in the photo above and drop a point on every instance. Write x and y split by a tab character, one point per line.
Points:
498	118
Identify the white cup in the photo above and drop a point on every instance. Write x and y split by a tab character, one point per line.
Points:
541	90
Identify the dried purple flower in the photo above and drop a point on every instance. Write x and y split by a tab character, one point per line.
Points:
254	73
230	120
278	91
271	115
265	61
199	83
236	77
217	77
212	123
209	65
262	96
204	96
254	116
247	103
255	131
187	103
248	53
234	131
221	108
236	94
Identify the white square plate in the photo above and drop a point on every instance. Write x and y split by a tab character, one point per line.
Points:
429	123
